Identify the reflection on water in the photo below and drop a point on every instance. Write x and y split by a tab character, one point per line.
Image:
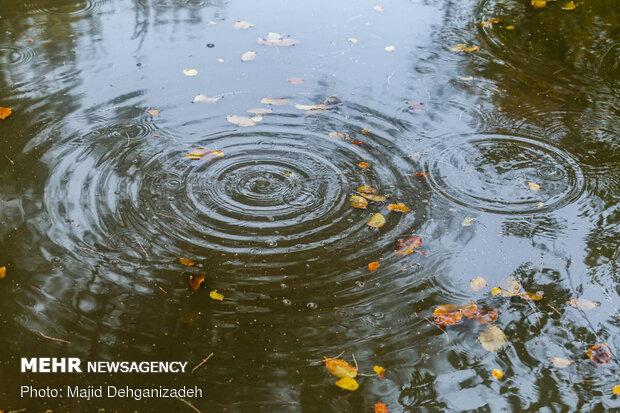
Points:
507	157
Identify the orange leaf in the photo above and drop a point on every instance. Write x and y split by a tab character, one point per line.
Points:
340	368
447	315
421	174
497	374
195	281
399	207
187	262
363	164
406	246
5	112
381	408
372	266
486	317
379	370
470	310
599	353
216	296
347	383
2	272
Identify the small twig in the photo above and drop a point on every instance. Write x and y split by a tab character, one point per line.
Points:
355	361
434	324
194	408
202	362
10	160
164	291
554	309
55	339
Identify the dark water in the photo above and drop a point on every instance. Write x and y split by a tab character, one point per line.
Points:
97	201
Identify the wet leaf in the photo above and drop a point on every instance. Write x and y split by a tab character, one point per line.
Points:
274	101
295	80
242	121
616	390
379	371
375	198
497	374
339	135
447	315
200	153
340	368
398	207
366	132
390	48
464	48
569	6
276	39
2	272
510	27
5	112
381	408
489	23
359	202
599	353
421	174
206	99
533	186
260	111
242	25
496	291
538	4
248	56
537	296
510	287
373	266
187	262
406	246
311	108
366	189
468	221
363	164
477	283
347	383
493	338
190	72
195	281
376	221
560	362
486	316
216	296
153	112
583	304
469	310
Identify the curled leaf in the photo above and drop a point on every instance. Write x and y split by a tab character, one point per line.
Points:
5	112
379	371
373	266
599	353
366	189
464	48
187	262
348	383
216	296
447	315
493	338
195	281
376	221
340	368
560	362
398	207
406	246
497	374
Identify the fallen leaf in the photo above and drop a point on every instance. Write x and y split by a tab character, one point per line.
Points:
477	283
260	111
469	310
365	132
468	221
390	48
616	390
398	207
406	246
380	371
248	56
464	48
5	112
381	408
347	383
200	153
242	25
195	281
363	164
447	315
489	23
510	27
533	186
497	374
421	174
569	6
376	221
560	362
583	304
276	39
493	338
538	4
359	202
216	296
153	112
375	198
372	266
242	121
2	272
206	99
496	291
187	262
486	316
537	296
274	101
510	287
599	353
379	8
190	72
317	107
295	80
340	368
366	189
339	135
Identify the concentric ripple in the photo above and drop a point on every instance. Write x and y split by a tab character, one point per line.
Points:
15	56
493	173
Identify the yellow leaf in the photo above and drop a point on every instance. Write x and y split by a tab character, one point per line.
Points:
376	221
187	262
375	198
489	23
497	374
5	112
357	201
340	368
533	186
477	283
496	291
510	27
372	266
493	338
153	112
199	153
569	6
616	390
348	383
464	48
216	296
2	272
380	371
398	207
537	296
538	4
366	189
363	164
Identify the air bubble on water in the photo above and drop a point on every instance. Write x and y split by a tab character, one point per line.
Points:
283	286
360	284
286	301
271	242
312	306
378	315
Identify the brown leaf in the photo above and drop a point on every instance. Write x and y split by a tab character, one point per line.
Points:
5	112
599	353
187	262
195	281
363	164
406	246
374	197
398	207
447	315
